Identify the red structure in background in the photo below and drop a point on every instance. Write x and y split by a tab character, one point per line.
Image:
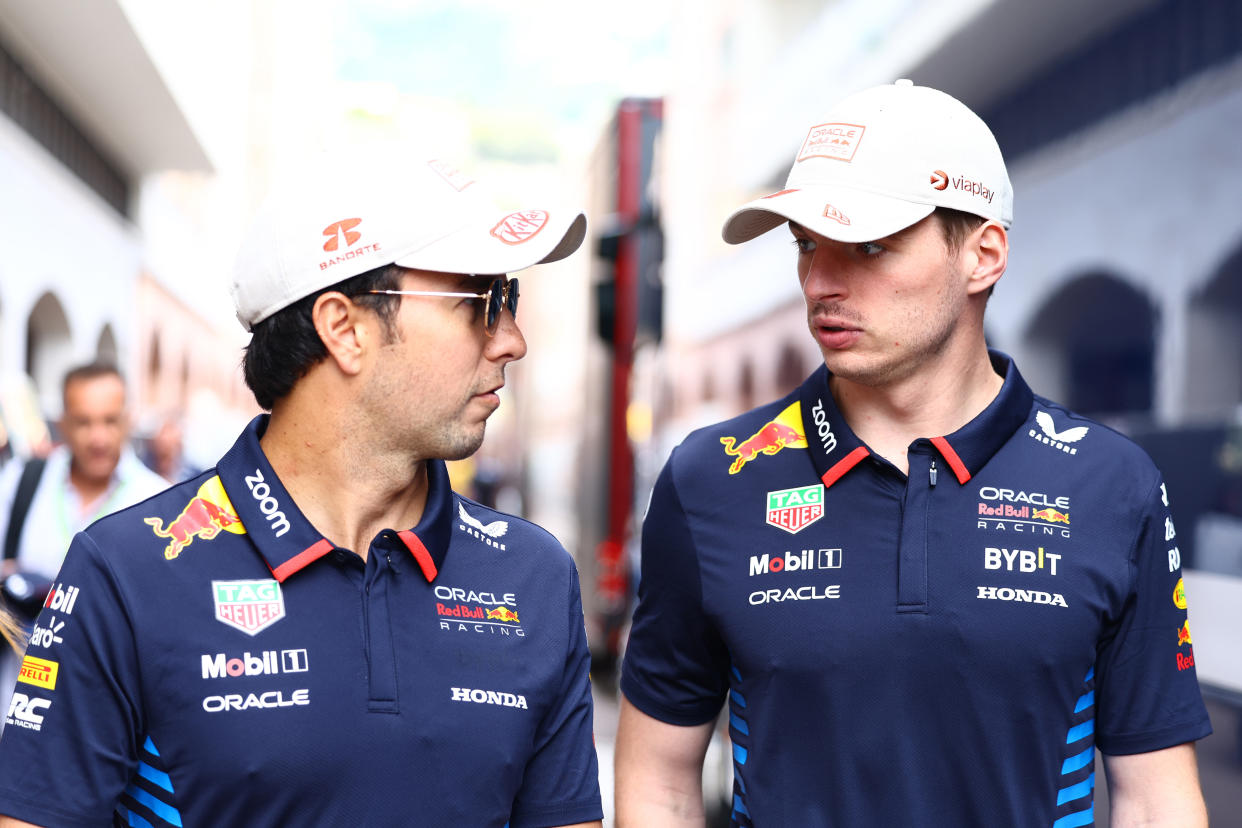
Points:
629	313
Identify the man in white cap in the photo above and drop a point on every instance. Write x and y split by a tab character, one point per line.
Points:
926	594
319	631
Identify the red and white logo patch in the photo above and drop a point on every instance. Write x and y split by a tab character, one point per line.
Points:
521	226
455	177
836	215
341	229
836	141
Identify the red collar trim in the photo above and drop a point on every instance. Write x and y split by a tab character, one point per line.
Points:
843	465
955	462
425	562
304	558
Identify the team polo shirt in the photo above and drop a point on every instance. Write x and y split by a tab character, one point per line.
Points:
208	658
943	648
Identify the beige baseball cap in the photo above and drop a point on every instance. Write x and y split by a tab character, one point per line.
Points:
881	160
346	216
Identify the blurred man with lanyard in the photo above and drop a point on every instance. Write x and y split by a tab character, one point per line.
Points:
44	502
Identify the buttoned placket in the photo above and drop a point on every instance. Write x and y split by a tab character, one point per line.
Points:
377	585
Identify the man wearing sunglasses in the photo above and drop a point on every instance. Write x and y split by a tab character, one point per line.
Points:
319	631
925	595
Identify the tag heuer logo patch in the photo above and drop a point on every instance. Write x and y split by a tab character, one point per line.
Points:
795	509
250	606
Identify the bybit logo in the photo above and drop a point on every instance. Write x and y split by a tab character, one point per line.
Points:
344	227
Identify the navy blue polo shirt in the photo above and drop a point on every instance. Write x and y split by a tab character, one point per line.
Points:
208	658
943	648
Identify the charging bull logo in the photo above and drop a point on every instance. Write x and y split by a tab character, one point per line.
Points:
209	512
503	614
781	433
1051	515
1183	634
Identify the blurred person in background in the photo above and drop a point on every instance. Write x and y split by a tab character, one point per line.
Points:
319	631
165	451
926	594
44	502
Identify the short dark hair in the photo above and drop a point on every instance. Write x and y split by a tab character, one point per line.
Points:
956	226
90	371
286	345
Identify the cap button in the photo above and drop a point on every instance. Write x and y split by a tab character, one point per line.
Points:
903	82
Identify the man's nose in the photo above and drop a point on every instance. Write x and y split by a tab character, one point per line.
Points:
507	344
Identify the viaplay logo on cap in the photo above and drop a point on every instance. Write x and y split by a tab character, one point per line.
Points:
337	229
521	226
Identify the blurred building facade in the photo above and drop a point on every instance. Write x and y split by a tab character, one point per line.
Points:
88	129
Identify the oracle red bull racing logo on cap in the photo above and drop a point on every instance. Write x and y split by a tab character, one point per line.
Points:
205	516
521	226
249	606
795	509
785	431
836	141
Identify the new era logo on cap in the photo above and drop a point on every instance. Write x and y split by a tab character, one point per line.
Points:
836	215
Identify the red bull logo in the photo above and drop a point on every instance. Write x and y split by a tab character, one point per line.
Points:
503	614
1051	515
1183	634
205	516
781	433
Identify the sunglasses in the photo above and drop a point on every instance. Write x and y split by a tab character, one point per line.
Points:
501	293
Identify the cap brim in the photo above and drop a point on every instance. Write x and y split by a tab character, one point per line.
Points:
490	244
839	213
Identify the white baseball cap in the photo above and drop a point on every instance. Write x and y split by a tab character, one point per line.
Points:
346	216
881	160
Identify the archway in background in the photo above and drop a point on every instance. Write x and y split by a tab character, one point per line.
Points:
49	351
790	371
1093	345
1213	368
746	385
105	347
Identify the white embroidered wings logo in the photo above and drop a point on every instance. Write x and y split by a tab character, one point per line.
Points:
1070	435
495	529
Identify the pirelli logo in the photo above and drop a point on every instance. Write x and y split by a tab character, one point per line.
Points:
39	671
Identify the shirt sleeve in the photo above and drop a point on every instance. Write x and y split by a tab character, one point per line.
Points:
1147	691
561	783
70	736
676	665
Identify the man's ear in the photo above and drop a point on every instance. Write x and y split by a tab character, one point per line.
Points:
344	329
987	252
